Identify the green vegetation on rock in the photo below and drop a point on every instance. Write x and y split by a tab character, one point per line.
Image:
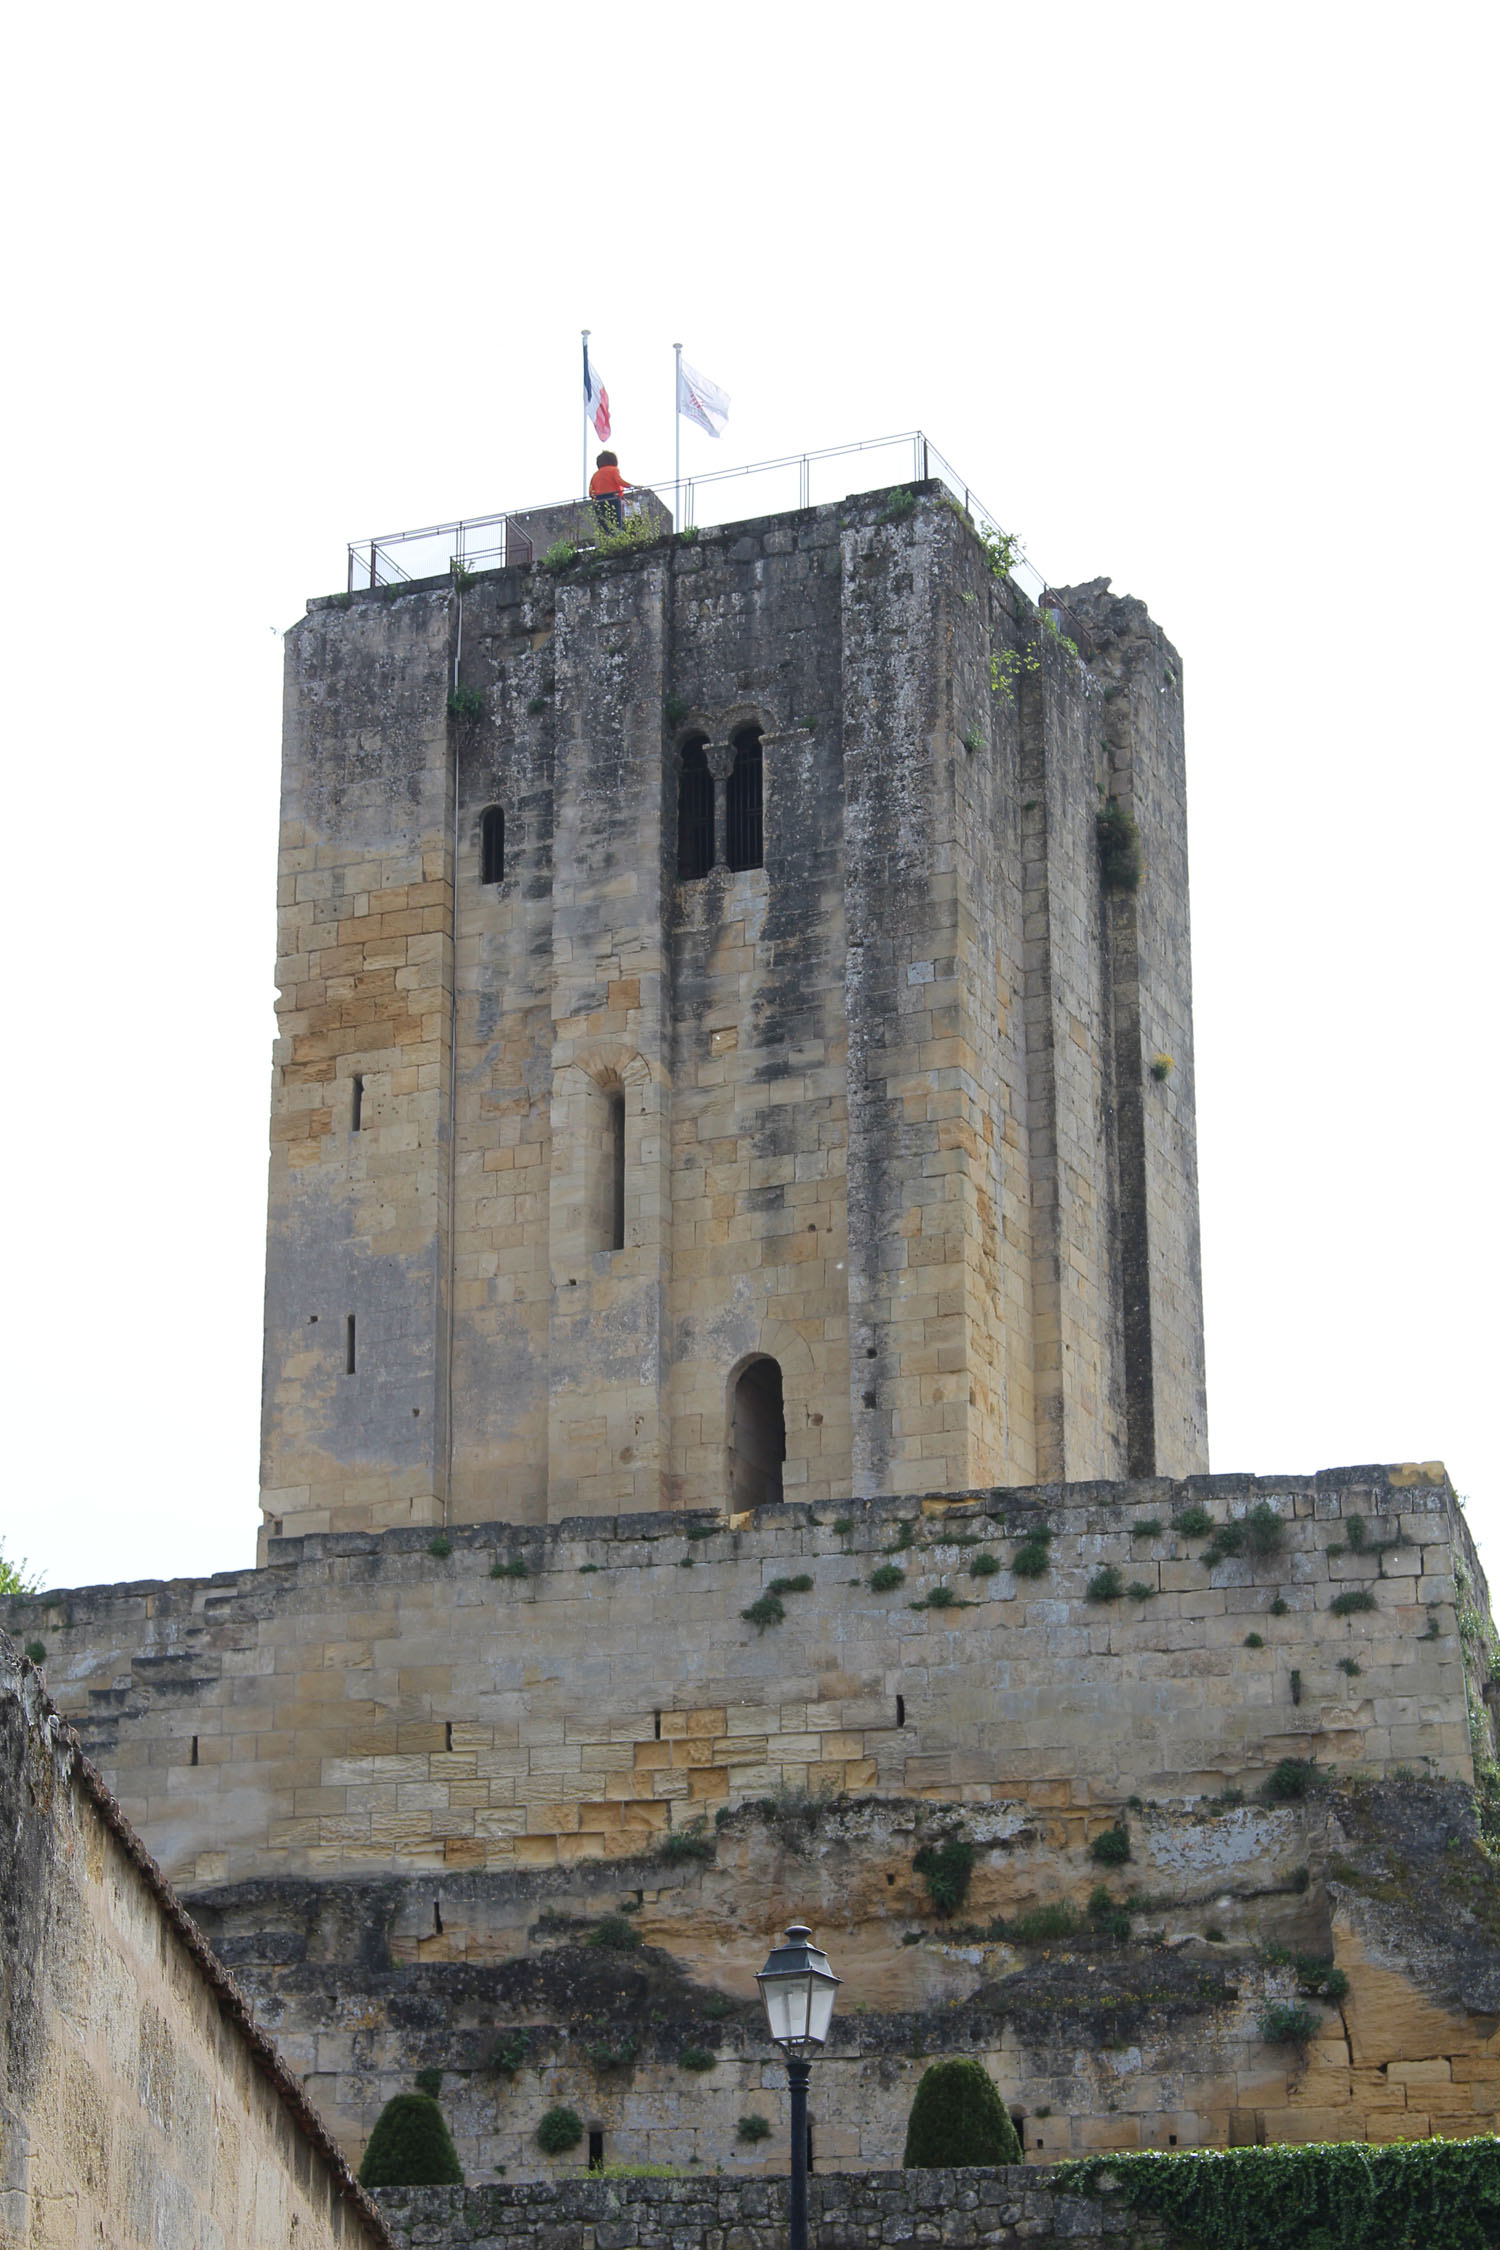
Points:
946	1869
1119	848
1112	1848
1031	1557
615	1934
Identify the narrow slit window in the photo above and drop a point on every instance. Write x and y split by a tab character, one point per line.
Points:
193	1760
617	1171
492	845
695	812
349	1345
744	820
901	1710
358	1104
596	2152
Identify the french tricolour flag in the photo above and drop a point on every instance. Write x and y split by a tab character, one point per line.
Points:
595	397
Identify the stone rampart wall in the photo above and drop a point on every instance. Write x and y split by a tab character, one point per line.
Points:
542	1695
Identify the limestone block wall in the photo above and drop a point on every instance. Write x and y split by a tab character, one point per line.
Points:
871	1086
547	1694
355	1384
138	2104
1141	764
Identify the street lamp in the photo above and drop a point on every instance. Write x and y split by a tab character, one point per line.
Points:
796	1989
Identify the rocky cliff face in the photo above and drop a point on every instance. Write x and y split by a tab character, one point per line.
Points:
1118	2006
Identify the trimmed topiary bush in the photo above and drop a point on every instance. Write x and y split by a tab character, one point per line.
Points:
411	2146
560	2130
957	2117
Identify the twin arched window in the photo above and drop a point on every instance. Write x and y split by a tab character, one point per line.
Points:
744	802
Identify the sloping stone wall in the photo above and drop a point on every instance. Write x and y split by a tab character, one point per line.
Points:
138	2103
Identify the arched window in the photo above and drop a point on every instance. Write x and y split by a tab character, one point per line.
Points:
492	845
604	1167
617	1171
695	812
745	841
757	1436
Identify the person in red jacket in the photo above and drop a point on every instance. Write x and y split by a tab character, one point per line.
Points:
605	487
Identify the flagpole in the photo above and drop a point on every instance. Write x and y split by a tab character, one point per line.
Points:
586	335
677	437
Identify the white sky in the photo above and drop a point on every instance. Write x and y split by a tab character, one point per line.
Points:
1196	297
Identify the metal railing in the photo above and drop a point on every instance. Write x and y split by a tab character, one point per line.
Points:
717	496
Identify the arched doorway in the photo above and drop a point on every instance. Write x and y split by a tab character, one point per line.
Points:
757	1436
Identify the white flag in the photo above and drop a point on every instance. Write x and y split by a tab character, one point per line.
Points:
700	400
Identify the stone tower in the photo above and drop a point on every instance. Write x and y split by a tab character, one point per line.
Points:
712	1063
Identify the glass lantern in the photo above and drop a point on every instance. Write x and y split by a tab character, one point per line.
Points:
796	1989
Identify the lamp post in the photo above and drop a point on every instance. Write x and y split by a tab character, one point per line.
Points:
796	1989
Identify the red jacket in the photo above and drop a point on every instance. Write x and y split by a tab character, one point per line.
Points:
606	480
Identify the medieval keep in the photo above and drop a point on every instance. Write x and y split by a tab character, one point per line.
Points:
734	1417
711	1068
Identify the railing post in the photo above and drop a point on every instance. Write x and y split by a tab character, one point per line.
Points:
372	562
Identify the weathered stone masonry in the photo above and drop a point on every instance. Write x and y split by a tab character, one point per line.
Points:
404	1788
888	1114
733	1183
364	1705
138	2100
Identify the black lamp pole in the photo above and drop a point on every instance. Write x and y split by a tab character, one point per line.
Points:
796	1989
798	2072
